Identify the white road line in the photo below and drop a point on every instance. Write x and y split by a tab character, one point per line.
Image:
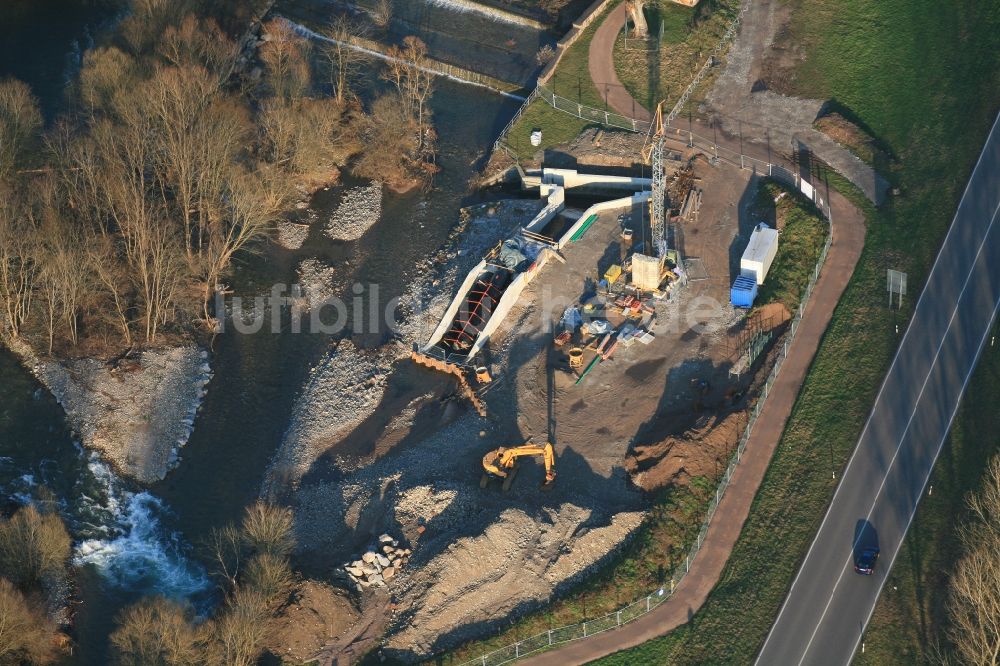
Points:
968	377
909	422
885	381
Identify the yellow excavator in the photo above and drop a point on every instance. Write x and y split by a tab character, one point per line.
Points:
502	463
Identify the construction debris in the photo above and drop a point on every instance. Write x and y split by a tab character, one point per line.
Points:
379	563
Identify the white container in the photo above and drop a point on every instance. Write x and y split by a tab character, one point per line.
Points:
760	252
536	138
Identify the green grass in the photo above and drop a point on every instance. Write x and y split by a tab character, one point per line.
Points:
922	74
570	80
688	38
557	128
803	233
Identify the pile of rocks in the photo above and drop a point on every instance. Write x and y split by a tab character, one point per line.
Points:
379	564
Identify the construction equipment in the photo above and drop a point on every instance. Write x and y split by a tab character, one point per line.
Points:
502	463
652	154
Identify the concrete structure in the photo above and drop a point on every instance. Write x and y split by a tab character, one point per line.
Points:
760	253
646	271
552	184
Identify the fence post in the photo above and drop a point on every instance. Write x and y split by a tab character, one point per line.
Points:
517	650
550	637
606	120
647	599
687	566
584	629
618	616
633	125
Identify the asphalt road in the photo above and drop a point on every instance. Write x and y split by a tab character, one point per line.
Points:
829	605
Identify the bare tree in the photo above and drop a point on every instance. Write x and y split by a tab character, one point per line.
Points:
241	629
382	13
253	202
198	42
343	62
26	635
225	549
268	528
157	631
271	576
20	121
285	54
410	72
17	266
105	71
974	600
33	545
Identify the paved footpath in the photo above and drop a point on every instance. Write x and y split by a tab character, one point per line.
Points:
601	63
848	231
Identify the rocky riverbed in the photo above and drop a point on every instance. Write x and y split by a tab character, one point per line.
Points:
136	413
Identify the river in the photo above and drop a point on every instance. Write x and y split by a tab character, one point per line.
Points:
129	540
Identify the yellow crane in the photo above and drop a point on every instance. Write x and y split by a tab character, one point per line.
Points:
502	463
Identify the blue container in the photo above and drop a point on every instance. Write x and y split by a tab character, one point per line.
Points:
743	292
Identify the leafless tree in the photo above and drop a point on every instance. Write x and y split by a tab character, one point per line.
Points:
158	631
382	13
974	600
343	62
17	266
268	528
25	633
409	71
271	576
285	54
20	121
105	71
198	42
241	629
32	545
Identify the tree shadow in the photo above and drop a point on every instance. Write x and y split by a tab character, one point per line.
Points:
749	215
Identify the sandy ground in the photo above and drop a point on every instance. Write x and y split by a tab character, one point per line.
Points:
136	413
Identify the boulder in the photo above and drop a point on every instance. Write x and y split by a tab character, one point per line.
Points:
357	572
383	560
375	580
388	573
388	550
385	538
370	556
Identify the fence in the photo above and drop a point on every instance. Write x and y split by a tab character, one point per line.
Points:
646	604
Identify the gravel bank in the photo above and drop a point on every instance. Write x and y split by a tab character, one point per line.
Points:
136	415
341	392
358	211
291	235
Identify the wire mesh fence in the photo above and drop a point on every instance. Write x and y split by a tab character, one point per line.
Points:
643	605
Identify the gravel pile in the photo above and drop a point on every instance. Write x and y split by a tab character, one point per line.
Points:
379	563
317	281
138	414
341	392
291	235
357	212
478	554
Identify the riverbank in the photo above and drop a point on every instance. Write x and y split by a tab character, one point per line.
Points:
137	412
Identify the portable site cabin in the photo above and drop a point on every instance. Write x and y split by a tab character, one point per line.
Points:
760	252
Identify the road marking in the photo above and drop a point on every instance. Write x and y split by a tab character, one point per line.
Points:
913	513
885	381
909	422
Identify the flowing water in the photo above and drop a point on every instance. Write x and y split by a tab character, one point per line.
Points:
131	541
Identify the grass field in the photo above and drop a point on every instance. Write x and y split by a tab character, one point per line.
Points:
570	80
689	35
802	238
922	75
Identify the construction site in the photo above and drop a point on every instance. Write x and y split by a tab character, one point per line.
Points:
591	358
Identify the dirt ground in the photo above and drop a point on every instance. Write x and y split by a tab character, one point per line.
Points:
316	613
480	556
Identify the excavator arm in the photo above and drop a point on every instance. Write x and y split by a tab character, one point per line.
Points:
502	462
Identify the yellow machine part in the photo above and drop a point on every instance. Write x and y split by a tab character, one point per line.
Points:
500	462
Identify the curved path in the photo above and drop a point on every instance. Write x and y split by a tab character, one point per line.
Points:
601	62
848	230
848	240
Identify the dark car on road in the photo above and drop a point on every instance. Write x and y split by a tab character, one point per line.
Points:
864	561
